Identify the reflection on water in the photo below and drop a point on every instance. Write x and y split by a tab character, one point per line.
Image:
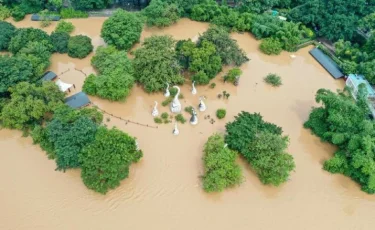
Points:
164	190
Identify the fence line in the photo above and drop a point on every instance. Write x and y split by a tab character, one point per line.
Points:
126	120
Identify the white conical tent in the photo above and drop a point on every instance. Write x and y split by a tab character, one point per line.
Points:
63	86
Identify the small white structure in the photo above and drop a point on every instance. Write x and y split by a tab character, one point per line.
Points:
194	118
176	105
175	130
63	86
155	111
202	106
167	93
136	145
194	90
354	81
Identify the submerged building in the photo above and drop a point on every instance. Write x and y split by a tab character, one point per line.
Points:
354	81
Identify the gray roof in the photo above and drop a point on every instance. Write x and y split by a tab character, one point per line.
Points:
37	17
77	100
327	63
49	76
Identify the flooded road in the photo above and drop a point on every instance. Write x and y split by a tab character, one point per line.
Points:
164	190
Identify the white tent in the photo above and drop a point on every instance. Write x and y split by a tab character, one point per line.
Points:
63	86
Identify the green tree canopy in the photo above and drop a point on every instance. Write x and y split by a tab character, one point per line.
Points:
116	75
159	13
14	69
38	54
221	170
346	124
7	32
262	145
106	161
79	46
60	42
91	4
271	46
24	36
29	104
155	63
65	27
201	59
226	47
122	30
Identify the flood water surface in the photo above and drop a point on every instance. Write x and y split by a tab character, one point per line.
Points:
164	190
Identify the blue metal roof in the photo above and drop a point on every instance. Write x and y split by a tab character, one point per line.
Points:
77	100
49	76
327	63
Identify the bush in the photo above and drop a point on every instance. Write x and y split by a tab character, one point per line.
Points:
221	170
271	46
180	118
167	101
159	13
164	115
105	162
200	78
273	79
71	13
122	29
155	64
220	113
232	75
60	42
212	85
91	4
158	120
89	85
7	32
4	12
79	46
189	110
65	27
262	145
18	14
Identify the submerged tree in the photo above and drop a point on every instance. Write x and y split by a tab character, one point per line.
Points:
155	63
346	124
79	46
262	145
24	36
7	32
106	161
159	13
221	170
123	29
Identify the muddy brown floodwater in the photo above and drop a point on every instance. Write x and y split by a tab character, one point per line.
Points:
164	189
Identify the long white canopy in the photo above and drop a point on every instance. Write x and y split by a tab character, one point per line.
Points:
63	86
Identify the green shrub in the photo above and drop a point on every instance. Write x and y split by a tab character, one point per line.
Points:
221	170
60	42
167	101
189	110
4	12
180	118
65	27
200	78
164	115
273	79
71	13
18	14
123	29
79	46
45	23
212	85
158	120
271	46
160	13
220	113
232	74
